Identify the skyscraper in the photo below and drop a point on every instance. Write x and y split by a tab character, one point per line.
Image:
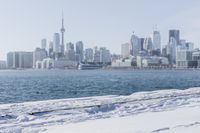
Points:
79	51
62	47
135	45
156	40
148	44
70	53
56	42
176	35
44	43
171	50
142	43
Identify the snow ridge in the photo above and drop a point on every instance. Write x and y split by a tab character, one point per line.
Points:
38	116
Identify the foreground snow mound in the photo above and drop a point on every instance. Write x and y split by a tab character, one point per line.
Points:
41	116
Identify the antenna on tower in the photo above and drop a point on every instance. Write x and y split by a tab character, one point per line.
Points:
62	18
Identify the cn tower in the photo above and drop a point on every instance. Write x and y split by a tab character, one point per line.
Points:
62	32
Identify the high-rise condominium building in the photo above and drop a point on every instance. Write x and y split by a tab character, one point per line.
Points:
79	51
56	42
156	40
20	60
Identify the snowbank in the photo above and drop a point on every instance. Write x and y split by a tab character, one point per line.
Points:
157	111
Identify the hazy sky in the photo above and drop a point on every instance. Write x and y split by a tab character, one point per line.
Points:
109	23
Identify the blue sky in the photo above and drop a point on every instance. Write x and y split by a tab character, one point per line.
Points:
109	23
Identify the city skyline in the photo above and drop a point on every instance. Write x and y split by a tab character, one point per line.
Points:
110	29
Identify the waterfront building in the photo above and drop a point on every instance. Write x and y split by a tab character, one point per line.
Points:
79	51
151	61
10	60
176	35
196	57
89	55
38	55
156	40
17	60
25	59
184	58
2	64
44	43
124	63
105	55
125	50
135	45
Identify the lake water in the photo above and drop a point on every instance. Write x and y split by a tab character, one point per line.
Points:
35	85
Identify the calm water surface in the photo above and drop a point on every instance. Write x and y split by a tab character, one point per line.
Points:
34	85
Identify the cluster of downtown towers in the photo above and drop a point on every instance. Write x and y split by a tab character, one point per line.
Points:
72	55
59	53
151	46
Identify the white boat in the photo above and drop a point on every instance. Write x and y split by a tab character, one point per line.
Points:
82	66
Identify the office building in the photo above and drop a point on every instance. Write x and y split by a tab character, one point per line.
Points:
135	45
171	51
174	34
156	40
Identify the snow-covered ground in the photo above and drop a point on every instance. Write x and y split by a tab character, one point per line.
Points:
175	111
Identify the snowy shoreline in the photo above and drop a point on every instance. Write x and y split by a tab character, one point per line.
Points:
173	110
